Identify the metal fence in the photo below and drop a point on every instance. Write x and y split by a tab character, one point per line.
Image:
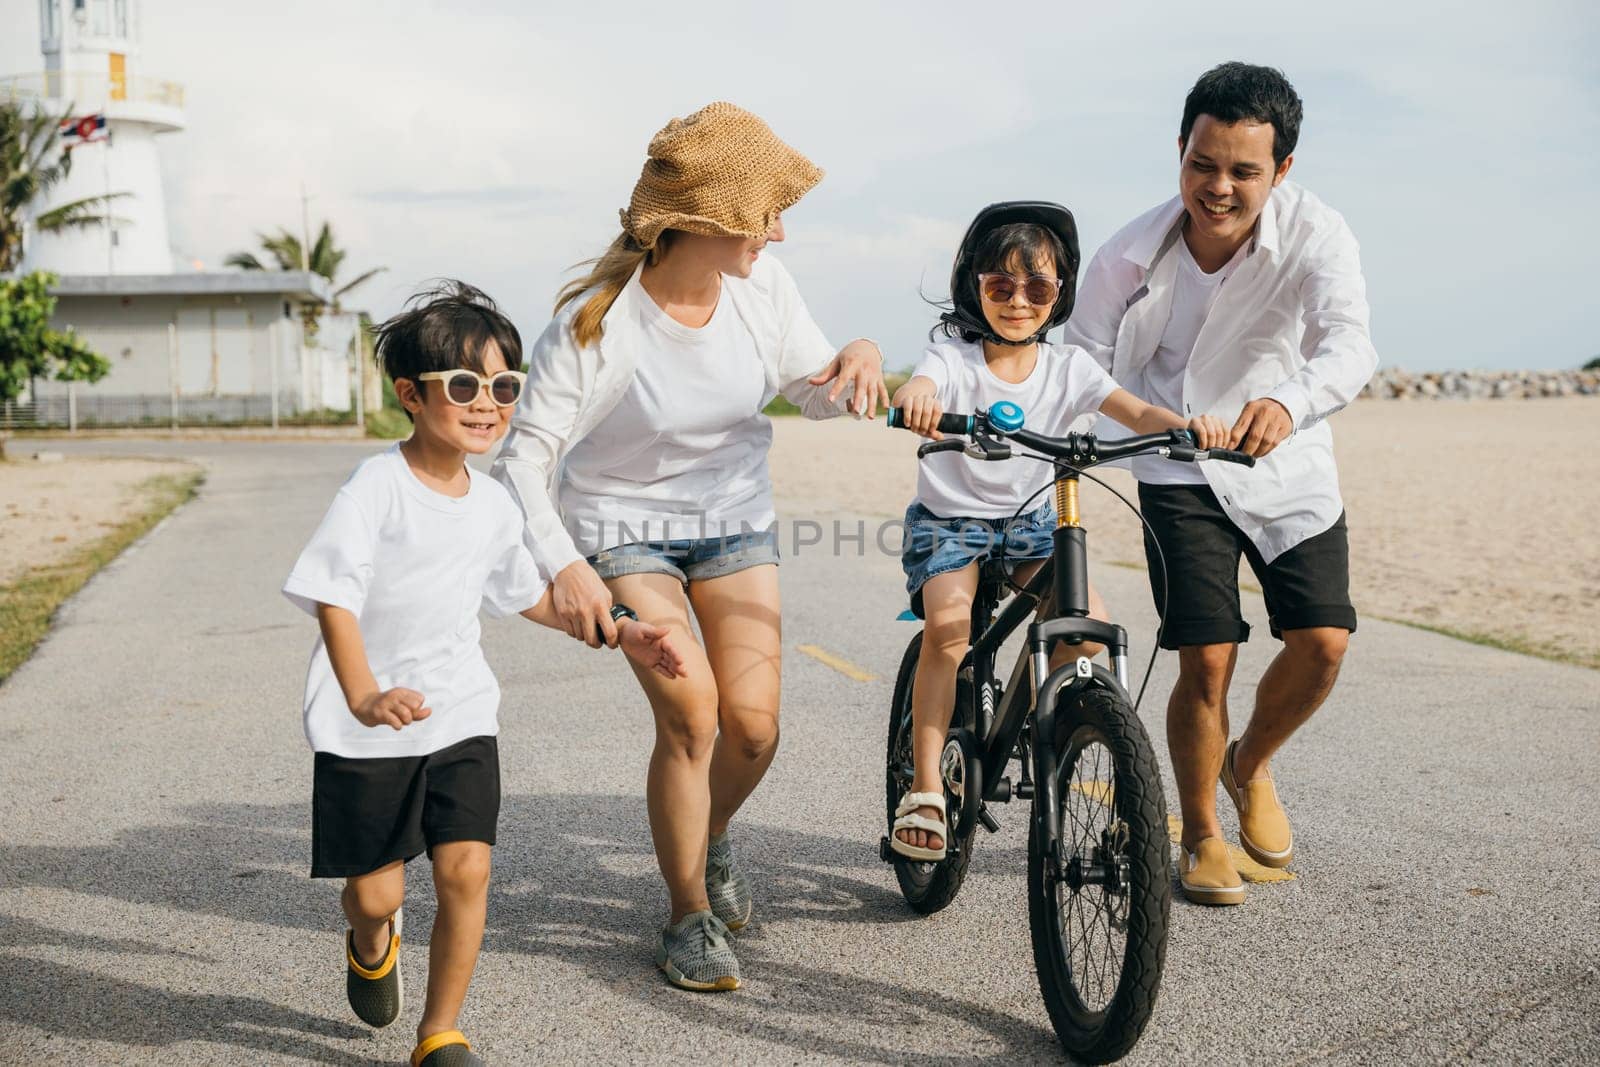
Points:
74	412
212	377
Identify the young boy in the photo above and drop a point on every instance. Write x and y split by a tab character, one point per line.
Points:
400	705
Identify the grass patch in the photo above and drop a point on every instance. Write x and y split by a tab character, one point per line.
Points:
390	424
28	604
1505	643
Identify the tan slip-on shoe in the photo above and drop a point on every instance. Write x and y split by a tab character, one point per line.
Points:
1207	875
1264	831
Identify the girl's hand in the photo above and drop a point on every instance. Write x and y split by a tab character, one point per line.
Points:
650	647
921	413
1209	431
394	708
583	604
858	366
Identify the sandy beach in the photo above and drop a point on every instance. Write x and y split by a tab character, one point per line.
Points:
1478	517
48	509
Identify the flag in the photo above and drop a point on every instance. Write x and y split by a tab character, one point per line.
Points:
84	130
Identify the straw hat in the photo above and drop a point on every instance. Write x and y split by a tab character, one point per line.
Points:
720	172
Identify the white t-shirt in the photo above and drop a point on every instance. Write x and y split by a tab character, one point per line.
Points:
687	441
1160	381
1065	384
414	566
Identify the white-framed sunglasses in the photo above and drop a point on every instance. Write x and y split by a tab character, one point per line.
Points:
461	386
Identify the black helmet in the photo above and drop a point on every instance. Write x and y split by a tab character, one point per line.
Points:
967	314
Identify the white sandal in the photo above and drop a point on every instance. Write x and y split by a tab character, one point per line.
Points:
907	818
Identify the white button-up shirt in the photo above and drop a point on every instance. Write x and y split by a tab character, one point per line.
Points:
1290	324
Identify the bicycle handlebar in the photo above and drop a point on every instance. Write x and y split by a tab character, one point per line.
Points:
948	422
1084	449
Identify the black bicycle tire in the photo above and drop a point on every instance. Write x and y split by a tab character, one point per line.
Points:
1107	1035
925	890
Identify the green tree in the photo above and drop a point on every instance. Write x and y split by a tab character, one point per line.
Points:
30	167
1593	364
283	249
29	348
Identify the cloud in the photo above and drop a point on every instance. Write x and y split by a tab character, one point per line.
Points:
496	140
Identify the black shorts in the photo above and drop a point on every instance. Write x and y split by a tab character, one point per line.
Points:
1309	585
367	813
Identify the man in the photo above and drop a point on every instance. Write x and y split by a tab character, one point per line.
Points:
1242	298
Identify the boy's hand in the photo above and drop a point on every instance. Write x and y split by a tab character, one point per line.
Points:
649	646
921	414
1209	431
395	708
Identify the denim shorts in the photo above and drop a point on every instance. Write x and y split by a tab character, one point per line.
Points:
934	545
690	559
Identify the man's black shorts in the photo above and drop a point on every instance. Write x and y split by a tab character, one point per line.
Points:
1309	585
367	813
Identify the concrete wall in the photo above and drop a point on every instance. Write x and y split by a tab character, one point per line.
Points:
219	356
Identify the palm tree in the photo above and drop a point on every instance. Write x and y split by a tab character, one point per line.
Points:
30	168
284	249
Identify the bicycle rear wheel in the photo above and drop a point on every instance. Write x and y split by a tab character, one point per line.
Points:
927	887
1099	924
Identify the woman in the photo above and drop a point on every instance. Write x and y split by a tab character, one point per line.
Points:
639	455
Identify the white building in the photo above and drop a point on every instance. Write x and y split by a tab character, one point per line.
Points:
212	346
91	65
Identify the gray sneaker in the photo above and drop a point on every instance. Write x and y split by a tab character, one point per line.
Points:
726	885
695	954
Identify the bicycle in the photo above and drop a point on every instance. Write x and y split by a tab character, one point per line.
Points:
1099	863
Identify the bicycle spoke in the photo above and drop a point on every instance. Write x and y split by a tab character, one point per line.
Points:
1092	922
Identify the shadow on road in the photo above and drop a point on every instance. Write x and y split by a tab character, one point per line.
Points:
89	1006
575	880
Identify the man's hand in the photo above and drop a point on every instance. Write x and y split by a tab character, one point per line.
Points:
394	708
858	366
1263	425
650	647
583	604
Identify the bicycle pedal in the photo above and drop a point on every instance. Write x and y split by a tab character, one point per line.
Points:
1024	789
885	853
989	822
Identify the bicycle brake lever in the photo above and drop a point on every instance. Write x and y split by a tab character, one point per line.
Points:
949	444
986	447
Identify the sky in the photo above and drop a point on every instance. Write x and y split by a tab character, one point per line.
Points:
496	141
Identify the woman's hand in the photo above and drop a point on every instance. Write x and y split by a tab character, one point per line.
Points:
859	365
1209	431
583	604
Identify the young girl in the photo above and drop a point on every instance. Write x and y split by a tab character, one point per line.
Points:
1012	281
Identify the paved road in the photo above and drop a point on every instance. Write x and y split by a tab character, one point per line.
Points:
155	908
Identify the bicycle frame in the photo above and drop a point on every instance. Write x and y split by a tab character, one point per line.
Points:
1066	574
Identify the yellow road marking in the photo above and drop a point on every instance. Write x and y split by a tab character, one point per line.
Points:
1100	791
843	666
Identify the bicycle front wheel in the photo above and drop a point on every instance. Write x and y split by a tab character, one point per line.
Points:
1099	918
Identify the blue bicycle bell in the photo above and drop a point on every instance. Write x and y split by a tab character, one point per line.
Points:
1006	417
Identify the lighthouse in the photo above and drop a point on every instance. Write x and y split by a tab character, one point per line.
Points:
194	346
92	72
